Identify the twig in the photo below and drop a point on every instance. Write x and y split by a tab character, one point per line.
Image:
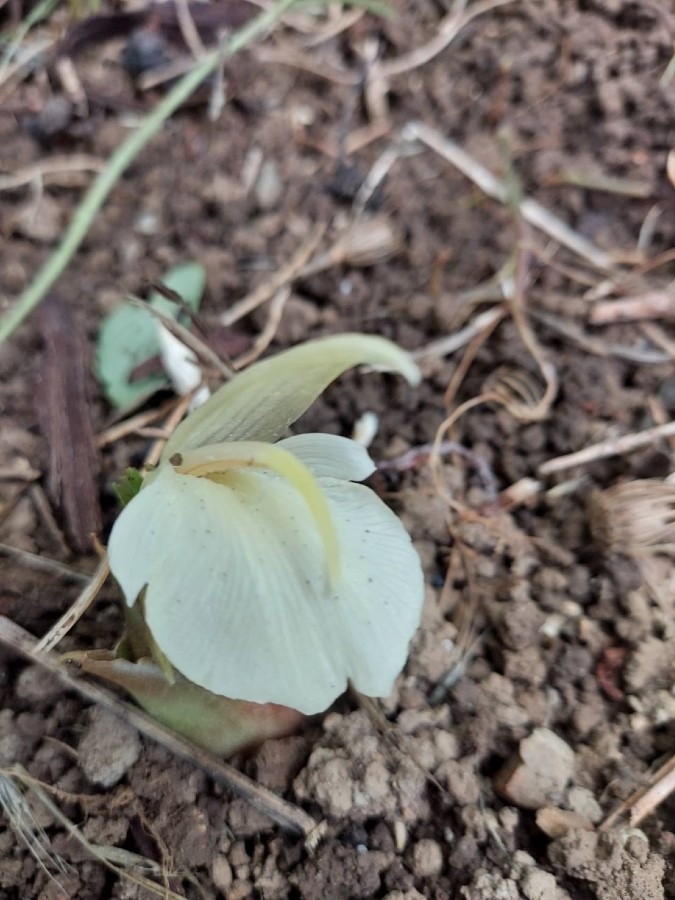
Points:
70	618
43	563
645	800
447	31
282	277
122	158
170	425
446	346
131	426
23	471
78	162
612	447
194	343
652	305
266	336
189	29
532	211
287	816
576	335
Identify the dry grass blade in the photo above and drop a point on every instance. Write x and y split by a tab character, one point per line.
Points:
635	518
24	825
189	29
191	341
43	563
531	211
363	242
651	305
446	346
112	858
645	800
447	30
571	332
51	168
532	411
284	276
266	336
133	424
72	616
617	446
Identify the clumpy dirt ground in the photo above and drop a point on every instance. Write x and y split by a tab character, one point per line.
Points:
539	690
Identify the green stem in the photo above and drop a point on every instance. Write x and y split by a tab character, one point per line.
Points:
122	158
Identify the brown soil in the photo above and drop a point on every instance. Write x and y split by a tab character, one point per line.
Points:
563	703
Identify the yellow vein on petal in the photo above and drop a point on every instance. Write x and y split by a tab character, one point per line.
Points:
219	458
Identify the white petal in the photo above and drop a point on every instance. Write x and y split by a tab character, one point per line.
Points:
379	600
237	596
328	455
261	402
180	364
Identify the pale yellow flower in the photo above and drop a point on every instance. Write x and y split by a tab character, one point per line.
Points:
270	574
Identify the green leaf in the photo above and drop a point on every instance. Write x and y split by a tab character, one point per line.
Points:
128	486
128	338
262	401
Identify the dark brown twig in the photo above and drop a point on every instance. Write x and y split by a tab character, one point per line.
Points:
286	815
65	422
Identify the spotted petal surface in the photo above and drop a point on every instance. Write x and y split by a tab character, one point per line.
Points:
238	596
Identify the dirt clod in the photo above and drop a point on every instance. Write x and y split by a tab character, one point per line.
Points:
108	749
427	858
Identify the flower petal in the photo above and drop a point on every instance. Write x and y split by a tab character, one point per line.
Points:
261	402
328	455
181	365
215	460
237	596
235	585
378	602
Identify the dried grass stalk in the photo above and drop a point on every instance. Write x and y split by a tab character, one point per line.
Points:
635	519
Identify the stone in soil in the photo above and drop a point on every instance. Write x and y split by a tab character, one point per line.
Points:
108	749
539	772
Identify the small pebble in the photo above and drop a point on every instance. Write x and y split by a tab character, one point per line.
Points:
556	823
268	188
427	858
539	772
538	885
